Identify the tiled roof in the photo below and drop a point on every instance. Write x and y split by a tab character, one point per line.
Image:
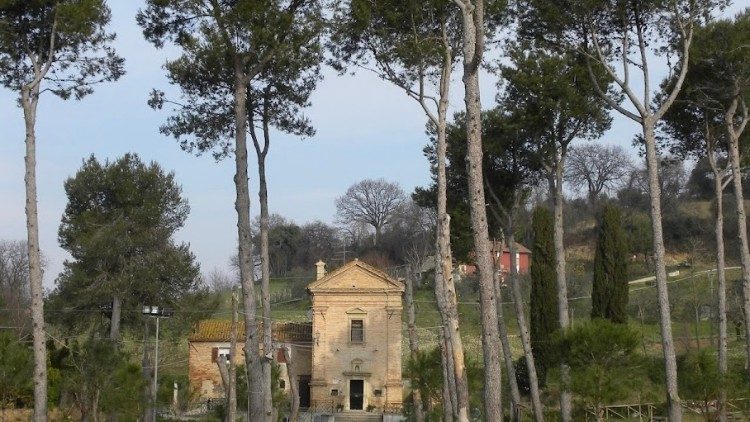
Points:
519	248
220	330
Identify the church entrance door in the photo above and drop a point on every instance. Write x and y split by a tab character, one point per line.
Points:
356	394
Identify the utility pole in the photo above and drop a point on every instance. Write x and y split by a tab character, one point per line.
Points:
157	312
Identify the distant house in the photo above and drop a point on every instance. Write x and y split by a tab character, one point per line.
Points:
502	254
523	257
347	358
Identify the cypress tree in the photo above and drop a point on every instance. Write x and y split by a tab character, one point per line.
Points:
543	304
609	294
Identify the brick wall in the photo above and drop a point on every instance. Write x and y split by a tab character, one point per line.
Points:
205	380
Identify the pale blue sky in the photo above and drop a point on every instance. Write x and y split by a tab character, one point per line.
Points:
365	129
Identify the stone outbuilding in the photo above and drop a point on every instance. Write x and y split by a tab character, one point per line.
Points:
209	342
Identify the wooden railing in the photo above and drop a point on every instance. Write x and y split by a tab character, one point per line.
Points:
737	409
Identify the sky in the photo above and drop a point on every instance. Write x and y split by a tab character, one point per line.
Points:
366	128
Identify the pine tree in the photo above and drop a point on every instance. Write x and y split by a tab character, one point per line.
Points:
609	295
543	304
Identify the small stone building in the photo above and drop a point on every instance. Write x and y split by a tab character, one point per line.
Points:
348	357
209	342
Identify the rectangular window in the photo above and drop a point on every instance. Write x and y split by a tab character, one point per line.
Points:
223	352
358	331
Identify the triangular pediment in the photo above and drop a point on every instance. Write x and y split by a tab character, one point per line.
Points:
356	276
356	311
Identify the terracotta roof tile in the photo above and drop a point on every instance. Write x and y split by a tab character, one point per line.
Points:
220	330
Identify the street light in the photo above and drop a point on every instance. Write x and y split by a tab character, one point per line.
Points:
158	312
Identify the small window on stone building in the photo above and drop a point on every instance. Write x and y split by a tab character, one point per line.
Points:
335	392
377	393
220	352
357	331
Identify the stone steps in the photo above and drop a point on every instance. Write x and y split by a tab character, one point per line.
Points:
358	417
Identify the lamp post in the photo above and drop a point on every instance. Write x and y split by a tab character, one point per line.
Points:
157	312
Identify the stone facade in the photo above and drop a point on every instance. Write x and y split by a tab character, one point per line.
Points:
210	340
355	368
205	380
347	358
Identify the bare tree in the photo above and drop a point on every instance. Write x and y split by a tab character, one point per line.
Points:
515	394
14	285
597	168
221	281
416	226
372	202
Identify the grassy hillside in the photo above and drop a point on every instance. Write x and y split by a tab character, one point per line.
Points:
690	289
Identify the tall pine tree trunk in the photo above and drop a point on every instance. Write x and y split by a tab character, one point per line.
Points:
449	390
445	289
114	336
245	250
473	46
523	328
293	386
413	342
721	277
665	323
555	181
455	379
114	328
232	373
515	395
265	273
29	102
734	158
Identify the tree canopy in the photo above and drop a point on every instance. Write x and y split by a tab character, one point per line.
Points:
118	227
273	46
64	44
509	170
